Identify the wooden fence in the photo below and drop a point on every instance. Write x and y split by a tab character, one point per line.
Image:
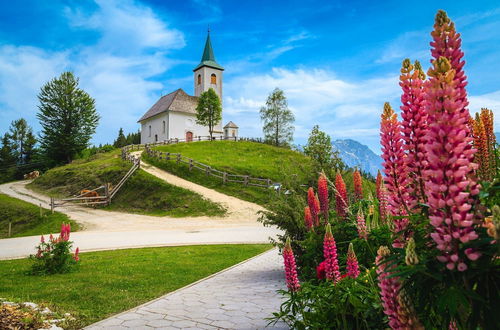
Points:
193	164
108	191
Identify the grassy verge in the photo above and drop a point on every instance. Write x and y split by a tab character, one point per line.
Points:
242	158
113	281
143	193
26	220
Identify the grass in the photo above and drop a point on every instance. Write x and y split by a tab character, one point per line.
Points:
26	219
143	193
113	281
242	158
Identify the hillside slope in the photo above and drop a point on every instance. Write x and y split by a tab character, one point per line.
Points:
241	158
143	193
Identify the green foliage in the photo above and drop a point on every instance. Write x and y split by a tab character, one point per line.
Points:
110	282
319	148
349	304
209	110
278	119
143	193
53	257
68	118
25	218
121	140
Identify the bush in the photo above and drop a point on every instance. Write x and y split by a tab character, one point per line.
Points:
54	256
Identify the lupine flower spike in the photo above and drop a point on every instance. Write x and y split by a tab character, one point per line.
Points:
292	280
330	254
308	218
362	232
413	127
76	257
323	196
358	185
487	119
411	257
341	202
450	186
352	263
389	288
313	205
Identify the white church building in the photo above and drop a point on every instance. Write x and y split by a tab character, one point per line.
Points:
174	115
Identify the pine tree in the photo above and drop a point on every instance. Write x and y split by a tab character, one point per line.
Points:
278	119
120	141
22	139
319	148
68	118
7	157
209	110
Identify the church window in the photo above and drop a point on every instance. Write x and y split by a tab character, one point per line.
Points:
163	127
149	130
213	79
199	79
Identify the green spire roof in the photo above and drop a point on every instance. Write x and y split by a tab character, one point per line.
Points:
208	58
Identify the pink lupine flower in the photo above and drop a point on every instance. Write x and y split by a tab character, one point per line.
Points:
361	224
323	195
341	202
51	238
42	239
413	127
378	183
308	218
389	288
396	174
76	257
313	205
450	185
320	271
65	231
358	185
292	280
330	254
352	263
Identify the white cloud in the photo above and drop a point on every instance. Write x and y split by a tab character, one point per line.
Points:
132	47
412	45
490	101
344	109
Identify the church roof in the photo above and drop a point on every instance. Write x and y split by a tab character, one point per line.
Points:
178	101
231	125
208	58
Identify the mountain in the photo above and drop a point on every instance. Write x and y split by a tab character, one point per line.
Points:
354	154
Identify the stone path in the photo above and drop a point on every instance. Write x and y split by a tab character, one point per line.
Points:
238	298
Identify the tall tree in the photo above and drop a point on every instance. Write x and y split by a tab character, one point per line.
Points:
209	110
7	157
68	118
319	148
278	119
22	140
120	141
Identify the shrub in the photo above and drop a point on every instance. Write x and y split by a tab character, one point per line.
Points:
54	256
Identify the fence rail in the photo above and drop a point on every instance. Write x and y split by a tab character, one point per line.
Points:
84	197
194	164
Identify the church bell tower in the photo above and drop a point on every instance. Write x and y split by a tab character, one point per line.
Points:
208	74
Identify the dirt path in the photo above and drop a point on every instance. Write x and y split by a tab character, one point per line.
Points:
240	213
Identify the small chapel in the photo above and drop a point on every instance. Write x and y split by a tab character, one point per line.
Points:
173	116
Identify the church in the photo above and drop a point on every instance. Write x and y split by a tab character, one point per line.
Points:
173	116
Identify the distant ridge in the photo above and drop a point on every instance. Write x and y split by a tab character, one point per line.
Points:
355	154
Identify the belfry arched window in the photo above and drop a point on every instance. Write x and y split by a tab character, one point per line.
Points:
199	79
213	79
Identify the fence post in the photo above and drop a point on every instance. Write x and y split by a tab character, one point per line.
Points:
178	158
199	138
10	228
106	193
41	214
208	170
168	156
190	164
246	180
224	177
52	205
268	182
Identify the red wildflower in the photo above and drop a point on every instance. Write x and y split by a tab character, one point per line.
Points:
308	218
341	202
323	195
292	280
352	262
330	254
358	185
320	271
313	205
76	257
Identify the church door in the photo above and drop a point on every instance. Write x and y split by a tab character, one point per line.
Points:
189	136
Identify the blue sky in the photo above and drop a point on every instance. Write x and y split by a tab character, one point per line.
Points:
337	61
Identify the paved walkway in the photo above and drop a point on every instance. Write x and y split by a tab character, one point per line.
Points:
238	298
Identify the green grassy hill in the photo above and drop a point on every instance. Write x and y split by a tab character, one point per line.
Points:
241	158
26	220
143	193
